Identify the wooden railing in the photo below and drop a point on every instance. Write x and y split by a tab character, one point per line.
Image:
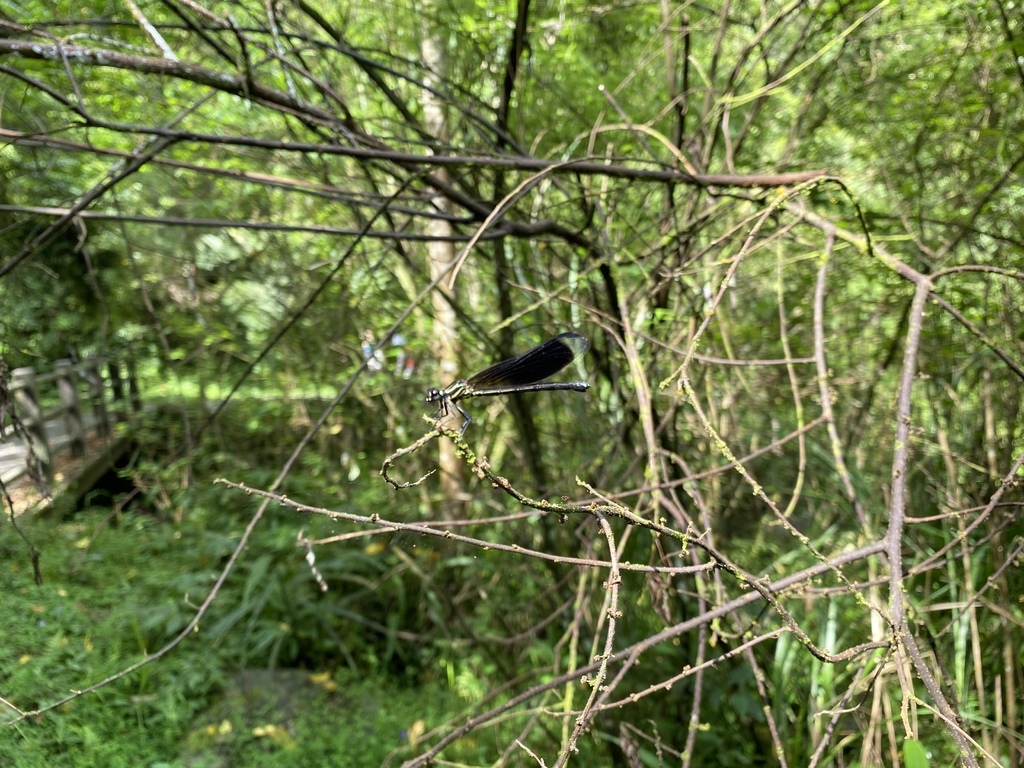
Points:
90	396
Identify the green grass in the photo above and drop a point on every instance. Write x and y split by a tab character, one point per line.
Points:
99	611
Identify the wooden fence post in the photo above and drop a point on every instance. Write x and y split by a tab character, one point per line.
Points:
117	389
133	387
98	396
69	404
26	403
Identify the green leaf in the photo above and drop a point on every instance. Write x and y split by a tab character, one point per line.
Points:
914	754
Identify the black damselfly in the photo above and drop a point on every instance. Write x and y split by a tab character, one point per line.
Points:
525	373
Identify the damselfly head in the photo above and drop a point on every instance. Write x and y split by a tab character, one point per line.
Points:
433	395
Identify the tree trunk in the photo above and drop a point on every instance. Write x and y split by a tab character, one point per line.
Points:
441	254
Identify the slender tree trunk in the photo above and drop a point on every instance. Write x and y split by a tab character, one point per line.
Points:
530	442
441	254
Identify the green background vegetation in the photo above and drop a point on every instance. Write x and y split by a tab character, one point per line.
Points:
727	164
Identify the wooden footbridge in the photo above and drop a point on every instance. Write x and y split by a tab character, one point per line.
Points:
62	429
